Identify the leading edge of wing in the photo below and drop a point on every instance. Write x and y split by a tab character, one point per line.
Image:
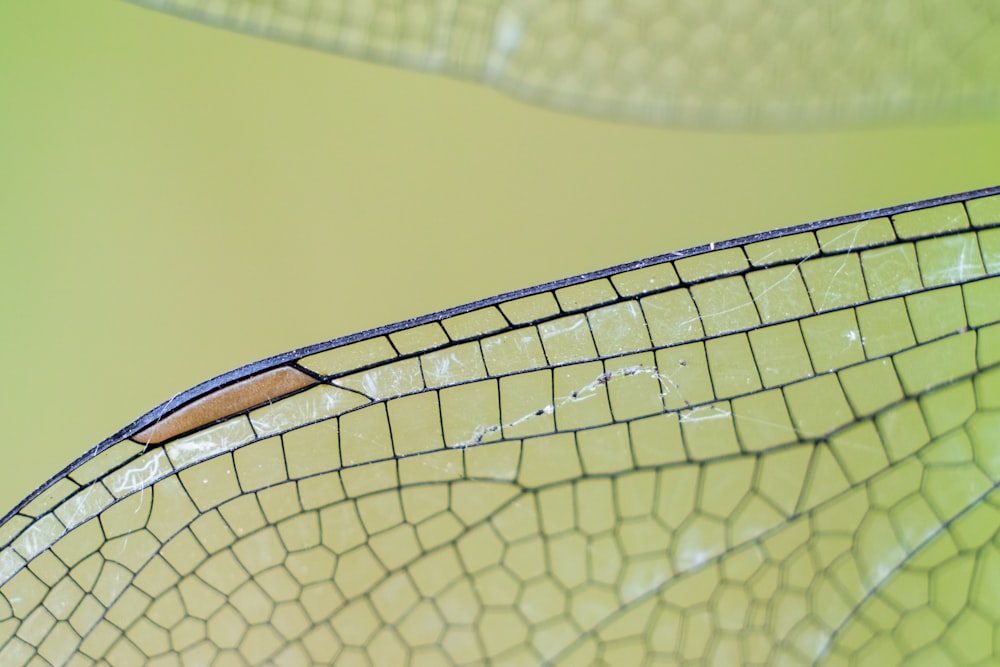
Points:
244	373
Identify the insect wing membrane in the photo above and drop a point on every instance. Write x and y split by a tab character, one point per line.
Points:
780	449
717	63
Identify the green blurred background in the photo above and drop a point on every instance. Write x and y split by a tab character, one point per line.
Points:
177	201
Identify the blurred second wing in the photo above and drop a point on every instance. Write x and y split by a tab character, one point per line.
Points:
714	63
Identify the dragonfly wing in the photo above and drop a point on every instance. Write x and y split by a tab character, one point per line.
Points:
714	63
775	450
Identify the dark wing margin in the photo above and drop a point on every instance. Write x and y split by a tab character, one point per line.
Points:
743	452
718	63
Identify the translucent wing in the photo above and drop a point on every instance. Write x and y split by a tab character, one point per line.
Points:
742	63
775	450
